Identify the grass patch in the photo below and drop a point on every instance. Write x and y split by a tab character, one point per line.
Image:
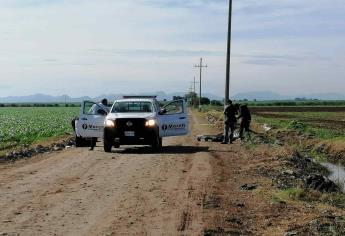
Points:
297	125
322	133
318	157
250	144
299	194
289	194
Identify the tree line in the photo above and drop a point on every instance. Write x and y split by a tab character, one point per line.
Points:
39	105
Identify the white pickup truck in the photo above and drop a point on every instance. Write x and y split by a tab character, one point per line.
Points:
133	120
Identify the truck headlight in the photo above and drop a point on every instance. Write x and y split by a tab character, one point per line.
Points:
110	123
150	123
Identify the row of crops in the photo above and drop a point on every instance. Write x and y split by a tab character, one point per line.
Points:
24	125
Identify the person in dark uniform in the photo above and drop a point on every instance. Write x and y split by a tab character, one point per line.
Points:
229	122
95	108
93	143
245	122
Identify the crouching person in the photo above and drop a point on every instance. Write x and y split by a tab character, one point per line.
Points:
229	122
245	122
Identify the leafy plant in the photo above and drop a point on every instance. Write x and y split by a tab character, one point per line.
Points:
297	125
24	125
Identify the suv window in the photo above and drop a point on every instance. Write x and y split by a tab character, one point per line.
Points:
132	106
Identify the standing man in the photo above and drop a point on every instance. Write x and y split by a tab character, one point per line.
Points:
229	122
97	111
245	122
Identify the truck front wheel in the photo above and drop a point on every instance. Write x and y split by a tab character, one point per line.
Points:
107	144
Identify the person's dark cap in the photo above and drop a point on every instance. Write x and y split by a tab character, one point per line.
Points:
104	102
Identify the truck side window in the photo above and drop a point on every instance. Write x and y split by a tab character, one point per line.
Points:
91	108
175	107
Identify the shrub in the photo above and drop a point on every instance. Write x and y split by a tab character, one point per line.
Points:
297	125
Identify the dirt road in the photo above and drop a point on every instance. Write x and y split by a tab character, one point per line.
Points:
130	191
190	188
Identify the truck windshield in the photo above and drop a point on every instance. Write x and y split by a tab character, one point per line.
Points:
132	106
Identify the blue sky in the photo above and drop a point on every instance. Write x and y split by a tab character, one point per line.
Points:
87	47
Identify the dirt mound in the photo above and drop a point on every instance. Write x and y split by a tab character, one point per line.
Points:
301	171
39	149
321	183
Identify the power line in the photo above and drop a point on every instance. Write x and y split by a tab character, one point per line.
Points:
200	66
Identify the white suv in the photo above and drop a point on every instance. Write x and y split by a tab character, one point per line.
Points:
133	120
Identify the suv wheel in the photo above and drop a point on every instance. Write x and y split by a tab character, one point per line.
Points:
107	145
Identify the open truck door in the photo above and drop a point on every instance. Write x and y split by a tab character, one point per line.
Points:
91	120
173	119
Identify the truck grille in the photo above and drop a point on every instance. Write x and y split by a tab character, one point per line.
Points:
130	124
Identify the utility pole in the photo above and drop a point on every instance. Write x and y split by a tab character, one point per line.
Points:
194	89
189	92
194	82
227	81
200	66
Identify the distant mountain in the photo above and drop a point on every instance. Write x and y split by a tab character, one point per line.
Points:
268	95
260	96
160	95
327	96
42	98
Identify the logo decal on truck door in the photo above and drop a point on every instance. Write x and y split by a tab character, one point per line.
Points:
173	126
91	127
176	126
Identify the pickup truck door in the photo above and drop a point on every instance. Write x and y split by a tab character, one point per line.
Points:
174	120
91	120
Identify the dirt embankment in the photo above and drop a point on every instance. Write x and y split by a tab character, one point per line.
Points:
190	188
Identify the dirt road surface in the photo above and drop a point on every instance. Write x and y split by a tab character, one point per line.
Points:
190	188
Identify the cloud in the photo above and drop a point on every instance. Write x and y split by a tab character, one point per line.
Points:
189	4
29	3
5	87
154	44
275	59
158	52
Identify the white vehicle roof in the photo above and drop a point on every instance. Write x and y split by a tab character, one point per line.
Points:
135	100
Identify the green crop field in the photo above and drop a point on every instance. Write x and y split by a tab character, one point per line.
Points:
324	122
24	125
324	125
